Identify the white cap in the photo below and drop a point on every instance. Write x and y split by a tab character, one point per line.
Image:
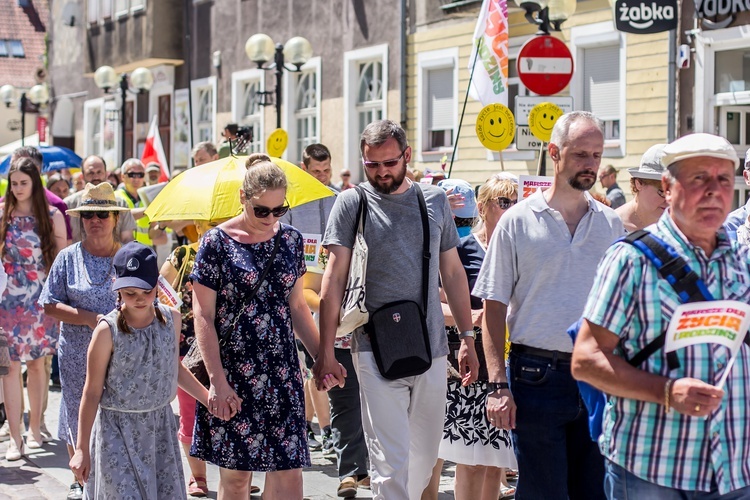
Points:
651	166
695	145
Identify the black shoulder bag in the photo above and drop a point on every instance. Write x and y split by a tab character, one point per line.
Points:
193	359
398	330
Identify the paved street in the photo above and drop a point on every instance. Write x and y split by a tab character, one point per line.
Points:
46	475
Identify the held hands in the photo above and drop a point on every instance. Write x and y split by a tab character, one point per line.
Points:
223	402
80	464
328	374
468	362
694	397
501	409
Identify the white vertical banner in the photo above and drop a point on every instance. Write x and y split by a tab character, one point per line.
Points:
490	81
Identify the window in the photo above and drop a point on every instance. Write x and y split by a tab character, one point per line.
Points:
246	108
123	7
302	108
92	127
204	109
598	83
16	48
3	48
437	82
732	71
365	93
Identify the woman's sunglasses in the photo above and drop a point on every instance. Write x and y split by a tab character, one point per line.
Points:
91	215
263	212
506	203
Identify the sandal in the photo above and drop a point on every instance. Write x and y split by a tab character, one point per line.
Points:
197	487
507	492
254	490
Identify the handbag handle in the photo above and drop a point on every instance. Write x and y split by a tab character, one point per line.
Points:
251	295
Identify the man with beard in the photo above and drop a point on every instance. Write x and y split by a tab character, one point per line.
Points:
538	271
402	418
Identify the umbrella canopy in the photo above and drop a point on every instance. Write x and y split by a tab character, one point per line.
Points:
54	158
212	191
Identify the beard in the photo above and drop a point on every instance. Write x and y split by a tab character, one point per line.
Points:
577	182
391	182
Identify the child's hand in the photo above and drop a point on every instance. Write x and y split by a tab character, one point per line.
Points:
80	464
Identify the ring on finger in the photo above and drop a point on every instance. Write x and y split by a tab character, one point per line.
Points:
697	407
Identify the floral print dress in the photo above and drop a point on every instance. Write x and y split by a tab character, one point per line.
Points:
31	333
259	357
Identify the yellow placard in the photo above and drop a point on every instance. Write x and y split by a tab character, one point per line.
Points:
276	143
496	127
542	119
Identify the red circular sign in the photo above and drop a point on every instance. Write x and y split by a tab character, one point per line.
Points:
545	65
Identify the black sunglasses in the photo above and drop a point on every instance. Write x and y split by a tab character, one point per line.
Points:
506	203
263	212
136	175
91	215
387	163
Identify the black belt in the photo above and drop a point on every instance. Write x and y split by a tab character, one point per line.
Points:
542	353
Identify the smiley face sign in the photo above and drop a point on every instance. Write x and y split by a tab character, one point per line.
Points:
542	118
496	127
276	143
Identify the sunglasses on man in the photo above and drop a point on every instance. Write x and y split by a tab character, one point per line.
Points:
135	175
91	215
387	163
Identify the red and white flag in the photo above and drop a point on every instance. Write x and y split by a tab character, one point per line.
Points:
154	151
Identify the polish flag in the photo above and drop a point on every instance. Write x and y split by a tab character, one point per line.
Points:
154	151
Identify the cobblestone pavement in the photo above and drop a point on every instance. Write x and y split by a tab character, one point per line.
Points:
45	474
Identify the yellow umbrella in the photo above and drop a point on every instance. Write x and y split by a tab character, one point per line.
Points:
212	191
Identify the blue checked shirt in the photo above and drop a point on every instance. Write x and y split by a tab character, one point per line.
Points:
631	300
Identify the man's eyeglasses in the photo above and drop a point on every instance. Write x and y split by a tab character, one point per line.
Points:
387	163
91	215
602	176
135	175
505	203
263	212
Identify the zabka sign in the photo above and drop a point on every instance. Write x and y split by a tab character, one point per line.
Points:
641	16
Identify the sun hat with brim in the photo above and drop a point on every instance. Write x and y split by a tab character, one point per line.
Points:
651	166
135	267
701	144
99	198
463	188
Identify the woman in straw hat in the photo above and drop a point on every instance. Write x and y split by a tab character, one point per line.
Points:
78	292
31	235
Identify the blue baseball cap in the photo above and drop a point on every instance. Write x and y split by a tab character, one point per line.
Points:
459	186
136	267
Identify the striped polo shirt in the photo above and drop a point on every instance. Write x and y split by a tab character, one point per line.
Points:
630	299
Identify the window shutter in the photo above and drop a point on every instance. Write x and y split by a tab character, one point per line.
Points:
601	76
441	100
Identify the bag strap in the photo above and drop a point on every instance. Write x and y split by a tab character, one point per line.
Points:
177	283
361	211
251	295
425	247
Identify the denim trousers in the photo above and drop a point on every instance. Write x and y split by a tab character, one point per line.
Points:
346	422
620	484
557	460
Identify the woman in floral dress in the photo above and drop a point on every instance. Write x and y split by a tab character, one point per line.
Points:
258	361
32	235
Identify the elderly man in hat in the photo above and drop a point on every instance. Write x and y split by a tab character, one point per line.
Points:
670	430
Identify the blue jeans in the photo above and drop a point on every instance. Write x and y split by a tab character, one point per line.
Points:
620	484
557	460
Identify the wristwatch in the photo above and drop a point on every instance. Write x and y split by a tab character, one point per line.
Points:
467	333
496	386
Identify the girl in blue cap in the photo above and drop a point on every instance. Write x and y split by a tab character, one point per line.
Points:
133	374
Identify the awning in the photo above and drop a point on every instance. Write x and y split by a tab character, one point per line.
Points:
31	140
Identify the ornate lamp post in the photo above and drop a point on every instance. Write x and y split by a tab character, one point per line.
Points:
38	95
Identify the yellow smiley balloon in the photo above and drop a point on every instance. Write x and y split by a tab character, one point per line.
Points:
276	143
542	119
496	127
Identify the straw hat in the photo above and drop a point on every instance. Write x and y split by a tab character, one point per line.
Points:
99	198
651	166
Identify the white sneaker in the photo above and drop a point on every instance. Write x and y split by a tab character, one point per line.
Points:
5	432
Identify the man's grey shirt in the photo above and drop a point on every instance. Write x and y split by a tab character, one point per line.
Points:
393	231
616	196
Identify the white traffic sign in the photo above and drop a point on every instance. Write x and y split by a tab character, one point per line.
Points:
525	140
525	103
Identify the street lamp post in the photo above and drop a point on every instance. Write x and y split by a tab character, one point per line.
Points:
106	79
260	48
550	14
37	95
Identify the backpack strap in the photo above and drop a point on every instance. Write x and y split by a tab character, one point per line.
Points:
673	268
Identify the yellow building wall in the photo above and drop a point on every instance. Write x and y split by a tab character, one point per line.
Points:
645	79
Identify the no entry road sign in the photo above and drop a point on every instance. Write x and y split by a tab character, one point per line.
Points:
545	65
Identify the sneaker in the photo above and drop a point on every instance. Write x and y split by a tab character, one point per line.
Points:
312	442
46	435
75	492
347	488
327	441
5	432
